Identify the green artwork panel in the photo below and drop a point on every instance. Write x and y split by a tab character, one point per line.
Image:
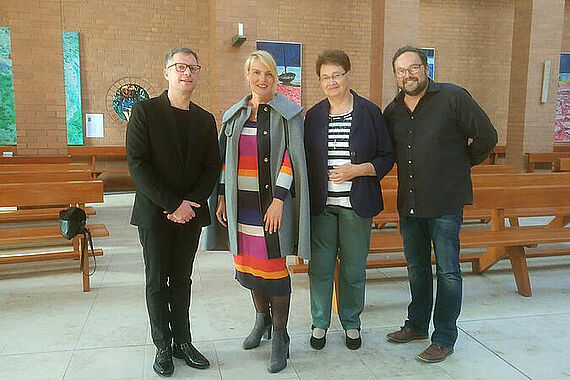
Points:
72	78
7	113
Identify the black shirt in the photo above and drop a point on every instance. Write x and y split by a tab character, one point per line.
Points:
433	149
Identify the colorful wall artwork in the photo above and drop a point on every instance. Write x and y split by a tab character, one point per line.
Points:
126	96
562	123
72	80
7	112
288	58
430	52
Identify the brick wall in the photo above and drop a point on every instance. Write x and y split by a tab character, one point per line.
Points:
566	32
472	41
472	38
128	39
38	75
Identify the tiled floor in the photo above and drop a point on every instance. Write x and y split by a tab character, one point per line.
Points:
49	329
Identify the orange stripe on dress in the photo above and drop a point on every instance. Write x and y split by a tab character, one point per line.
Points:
264	265
259	273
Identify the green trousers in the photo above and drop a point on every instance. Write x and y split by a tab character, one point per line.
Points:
338	231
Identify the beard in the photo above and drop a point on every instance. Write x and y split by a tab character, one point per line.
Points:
420	87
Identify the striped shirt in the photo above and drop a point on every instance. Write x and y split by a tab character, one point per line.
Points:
339	154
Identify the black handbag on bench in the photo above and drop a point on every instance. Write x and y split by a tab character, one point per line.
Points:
72	222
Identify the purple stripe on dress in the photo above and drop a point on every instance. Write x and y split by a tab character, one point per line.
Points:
248	145
253	246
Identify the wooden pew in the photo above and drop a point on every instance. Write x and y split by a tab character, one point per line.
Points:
42	168
561	164
104	153
499	240
532	159
36	160
23	177
498	150
45	213
28	235
561	147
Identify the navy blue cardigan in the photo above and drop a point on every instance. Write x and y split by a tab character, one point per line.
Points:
369	142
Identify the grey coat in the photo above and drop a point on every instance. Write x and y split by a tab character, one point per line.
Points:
294	235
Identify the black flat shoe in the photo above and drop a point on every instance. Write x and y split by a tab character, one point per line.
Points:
318	343
191	355
354	344
163	362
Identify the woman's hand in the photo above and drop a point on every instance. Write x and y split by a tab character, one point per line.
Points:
273	216
221	211
343	173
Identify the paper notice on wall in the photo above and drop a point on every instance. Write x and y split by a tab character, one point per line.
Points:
94	125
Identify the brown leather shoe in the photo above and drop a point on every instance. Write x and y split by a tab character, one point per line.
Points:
404	335
435	353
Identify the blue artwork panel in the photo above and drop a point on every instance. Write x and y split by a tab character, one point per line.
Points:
7	112
72	78
288	58
430	53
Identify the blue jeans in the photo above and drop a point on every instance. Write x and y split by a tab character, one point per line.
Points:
417	235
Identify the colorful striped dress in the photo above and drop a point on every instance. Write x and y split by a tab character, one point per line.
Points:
254	269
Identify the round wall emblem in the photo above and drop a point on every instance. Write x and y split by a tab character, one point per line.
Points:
124	94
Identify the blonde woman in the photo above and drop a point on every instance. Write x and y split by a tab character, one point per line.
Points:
263	199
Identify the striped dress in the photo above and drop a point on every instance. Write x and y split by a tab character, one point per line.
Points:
254	269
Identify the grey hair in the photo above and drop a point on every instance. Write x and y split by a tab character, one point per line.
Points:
179	49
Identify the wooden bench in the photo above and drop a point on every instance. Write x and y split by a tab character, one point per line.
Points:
43	168
64	176
561	164
35	160
101	152
498	150
39	214
547	158
561	147
30	235
499	240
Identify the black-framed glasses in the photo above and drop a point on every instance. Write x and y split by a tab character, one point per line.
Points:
181	67
413	69
334	77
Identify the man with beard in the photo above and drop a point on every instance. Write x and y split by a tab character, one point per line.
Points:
438	132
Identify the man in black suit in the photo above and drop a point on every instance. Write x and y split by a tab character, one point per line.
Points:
173	158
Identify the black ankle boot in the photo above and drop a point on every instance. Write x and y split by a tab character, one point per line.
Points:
279	351
261	329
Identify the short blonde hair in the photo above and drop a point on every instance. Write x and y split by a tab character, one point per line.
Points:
267	60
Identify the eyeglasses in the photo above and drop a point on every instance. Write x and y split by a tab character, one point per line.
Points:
413	69
181	67
334	78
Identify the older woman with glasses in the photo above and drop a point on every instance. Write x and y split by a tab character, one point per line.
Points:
349	150
263	199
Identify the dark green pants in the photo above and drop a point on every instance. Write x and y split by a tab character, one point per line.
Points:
338	231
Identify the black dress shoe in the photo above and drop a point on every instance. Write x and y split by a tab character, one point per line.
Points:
163	362
354	344
191	355
318	343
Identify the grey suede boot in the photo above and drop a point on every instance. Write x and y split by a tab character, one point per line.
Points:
279	351
261	328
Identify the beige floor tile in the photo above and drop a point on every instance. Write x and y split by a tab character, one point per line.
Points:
45	366
106	363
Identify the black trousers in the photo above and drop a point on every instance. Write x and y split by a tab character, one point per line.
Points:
169	254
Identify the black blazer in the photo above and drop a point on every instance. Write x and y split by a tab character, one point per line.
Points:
368	142
163	176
